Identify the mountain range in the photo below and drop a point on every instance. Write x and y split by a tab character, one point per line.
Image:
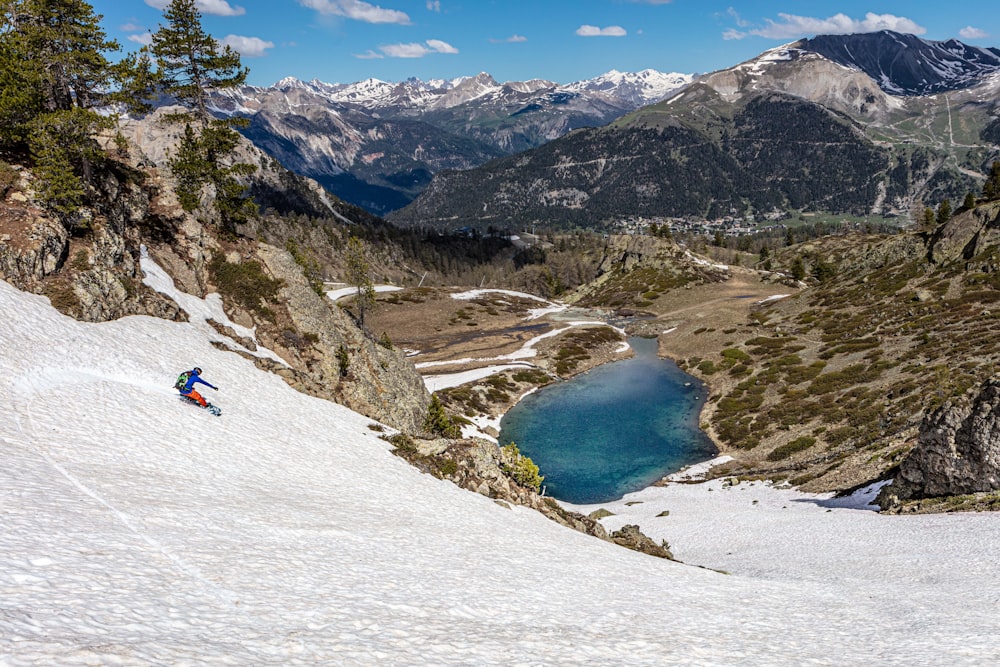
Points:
875	124
378	144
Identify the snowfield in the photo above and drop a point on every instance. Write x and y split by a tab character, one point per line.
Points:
138	530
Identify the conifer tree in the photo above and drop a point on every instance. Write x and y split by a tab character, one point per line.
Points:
189	63
52	72
438	422
359	275
928	218
991	189
943	212
189	60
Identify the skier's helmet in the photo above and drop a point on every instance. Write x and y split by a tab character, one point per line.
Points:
196	370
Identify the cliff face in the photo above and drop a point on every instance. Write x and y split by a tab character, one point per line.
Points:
89	269
957	451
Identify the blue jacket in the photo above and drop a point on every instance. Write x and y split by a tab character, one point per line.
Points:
194	379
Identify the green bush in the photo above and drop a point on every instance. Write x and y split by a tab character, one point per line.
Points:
736	355
448	467
438	422
245	283
790	448
343	361
401	442
707	367
521	468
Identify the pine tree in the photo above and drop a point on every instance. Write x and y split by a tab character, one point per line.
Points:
359	275
798	269
52	72
991	189
63	41
438	422
928	218
943	212
970	202
189	60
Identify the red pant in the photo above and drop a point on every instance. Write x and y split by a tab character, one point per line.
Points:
195	396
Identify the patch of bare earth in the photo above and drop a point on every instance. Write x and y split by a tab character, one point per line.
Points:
454	335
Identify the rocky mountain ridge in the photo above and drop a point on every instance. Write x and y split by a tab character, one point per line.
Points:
377	144
918	67
790	130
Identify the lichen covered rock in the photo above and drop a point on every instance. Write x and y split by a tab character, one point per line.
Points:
957	451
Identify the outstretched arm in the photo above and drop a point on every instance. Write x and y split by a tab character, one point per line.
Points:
197	379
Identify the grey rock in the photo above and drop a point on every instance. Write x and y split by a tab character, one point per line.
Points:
957	451
631	537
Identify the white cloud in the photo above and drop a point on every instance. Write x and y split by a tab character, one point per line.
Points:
415	49
357	10
145	38
737	18
434	5
968	32
513	39
214	7
594	31
441	47
133	27
250	47
791	26
369	55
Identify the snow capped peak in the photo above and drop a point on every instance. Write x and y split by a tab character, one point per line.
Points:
635	88
290	82
623	88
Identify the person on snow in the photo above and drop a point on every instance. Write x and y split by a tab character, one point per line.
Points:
188	390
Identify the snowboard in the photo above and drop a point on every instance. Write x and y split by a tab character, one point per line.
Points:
213	409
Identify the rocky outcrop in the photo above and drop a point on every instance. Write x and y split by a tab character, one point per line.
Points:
957	452
478	465
966	236
378	382
631	537
87	264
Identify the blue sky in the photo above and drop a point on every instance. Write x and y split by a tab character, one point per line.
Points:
342	41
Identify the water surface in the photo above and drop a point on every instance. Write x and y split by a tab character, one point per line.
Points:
616	429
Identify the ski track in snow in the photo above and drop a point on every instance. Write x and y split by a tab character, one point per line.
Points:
141	531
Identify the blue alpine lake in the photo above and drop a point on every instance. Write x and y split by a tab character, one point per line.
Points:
613	430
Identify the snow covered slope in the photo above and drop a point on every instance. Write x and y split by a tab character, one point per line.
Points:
138	530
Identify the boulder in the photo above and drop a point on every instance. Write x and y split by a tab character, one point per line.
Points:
632	538
957	451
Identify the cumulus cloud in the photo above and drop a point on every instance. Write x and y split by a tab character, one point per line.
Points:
357	10
411	50
791	26
214	7
143	39
250	47
968	32
594	31
434	5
